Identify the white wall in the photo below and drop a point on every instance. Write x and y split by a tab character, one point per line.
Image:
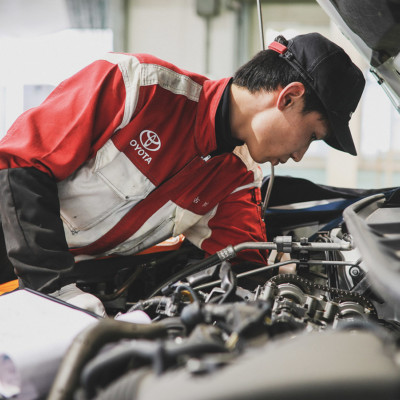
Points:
173	31
43	60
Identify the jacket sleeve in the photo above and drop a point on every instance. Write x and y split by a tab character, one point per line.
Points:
235	220
45	145
34	234
67	129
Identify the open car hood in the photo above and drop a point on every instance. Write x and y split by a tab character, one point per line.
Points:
373	26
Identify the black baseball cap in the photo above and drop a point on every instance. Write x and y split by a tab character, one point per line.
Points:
336	80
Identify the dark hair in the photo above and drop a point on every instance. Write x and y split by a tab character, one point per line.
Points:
267	70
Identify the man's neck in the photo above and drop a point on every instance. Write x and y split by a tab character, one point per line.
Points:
244	105
223	135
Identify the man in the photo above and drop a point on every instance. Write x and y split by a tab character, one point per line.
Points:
132	150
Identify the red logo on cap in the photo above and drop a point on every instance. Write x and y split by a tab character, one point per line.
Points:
278	47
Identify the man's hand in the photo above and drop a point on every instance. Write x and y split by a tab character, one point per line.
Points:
75	296
275	257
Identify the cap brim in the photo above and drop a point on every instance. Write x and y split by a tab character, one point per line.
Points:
340	137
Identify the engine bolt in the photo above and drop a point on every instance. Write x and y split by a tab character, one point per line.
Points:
355	271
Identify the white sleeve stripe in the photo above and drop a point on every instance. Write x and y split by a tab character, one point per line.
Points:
153	74
130	70
250	185
136	74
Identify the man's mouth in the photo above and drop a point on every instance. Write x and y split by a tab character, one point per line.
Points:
278	161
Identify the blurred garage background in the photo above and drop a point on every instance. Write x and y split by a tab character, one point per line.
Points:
44	41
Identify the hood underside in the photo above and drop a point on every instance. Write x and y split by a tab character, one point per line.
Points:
373	26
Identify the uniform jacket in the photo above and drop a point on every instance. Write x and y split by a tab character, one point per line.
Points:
124	145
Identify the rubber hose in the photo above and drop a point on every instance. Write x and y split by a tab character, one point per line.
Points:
112	360
86	345
191	269
126	387
123	353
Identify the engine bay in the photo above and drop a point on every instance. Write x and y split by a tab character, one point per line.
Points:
309	324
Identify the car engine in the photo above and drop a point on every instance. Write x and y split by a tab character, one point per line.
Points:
308	325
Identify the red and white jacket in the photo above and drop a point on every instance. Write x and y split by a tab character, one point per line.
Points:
128	140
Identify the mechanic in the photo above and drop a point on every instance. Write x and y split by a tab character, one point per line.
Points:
132	150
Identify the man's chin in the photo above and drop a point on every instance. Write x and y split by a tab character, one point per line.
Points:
273	162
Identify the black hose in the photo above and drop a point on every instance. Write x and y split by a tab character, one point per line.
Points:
118	358
145	304
181	288
191	269
86	345
139	269
114	361
126	387
132	278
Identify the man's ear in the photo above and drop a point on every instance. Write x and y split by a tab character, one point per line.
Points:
289	95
